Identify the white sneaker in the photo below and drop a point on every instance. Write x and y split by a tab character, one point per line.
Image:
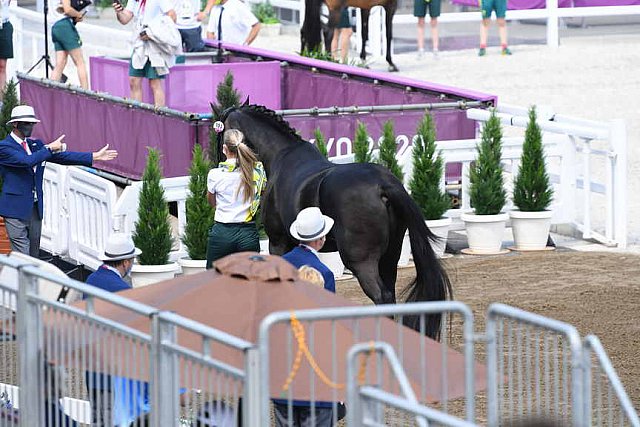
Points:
436	54
420	53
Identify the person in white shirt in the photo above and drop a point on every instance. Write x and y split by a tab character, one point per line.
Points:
143	13
66	40
188	23
6	42
234	190
232	21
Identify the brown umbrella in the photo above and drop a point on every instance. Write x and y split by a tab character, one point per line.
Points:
247	287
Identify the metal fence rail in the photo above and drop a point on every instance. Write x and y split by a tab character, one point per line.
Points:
72	364
605	400
365	322
540	360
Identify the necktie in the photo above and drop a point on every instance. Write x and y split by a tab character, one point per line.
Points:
24	145
220	24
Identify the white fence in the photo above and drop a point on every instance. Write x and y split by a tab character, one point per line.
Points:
82	210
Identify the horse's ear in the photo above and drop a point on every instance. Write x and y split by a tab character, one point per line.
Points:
246	102
217	114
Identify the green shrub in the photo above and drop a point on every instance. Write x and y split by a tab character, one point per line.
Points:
9	101
199	212
152	232
387	157
265	13
428	170
486	186
227	96
320	144
361	151
532	191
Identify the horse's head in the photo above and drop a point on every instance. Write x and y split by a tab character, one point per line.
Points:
264	130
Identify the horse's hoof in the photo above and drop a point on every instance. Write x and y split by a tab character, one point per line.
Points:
393	69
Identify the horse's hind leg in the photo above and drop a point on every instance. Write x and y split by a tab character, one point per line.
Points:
390	9
372	284
364	19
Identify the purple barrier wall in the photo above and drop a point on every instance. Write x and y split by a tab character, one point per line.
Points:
541	4
191	87
89	124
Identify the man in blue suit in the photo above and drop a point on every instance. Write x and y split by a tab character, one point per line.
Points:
115	400
22	169
311	228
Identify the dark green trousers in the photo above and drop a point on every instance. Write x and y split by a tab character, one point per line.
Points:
226	239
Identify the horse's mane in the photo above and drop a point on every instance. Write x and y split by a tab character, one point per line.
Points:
271	115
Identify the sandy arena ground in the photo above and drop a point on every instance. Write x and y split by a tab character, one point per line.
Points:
598	293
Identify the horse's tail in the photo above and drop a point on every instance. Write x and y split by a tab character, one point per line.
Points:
311	31
431	282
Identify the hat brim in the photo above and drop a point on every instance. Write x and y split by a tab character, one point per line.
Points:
328	224
136	252
24	120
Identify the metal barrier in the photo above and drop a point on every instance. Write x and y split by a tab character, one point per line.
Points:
541	362
362	406
111	358
618	409
277	329
68	362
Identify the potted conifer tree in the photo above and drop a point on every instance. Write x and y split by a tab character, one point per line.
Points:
361	151
199	215
532	193
227	97
152	233
10	98
485	226
387	158
425	184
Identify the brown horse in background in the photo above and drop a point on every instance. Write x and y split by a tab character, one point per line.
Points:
310	34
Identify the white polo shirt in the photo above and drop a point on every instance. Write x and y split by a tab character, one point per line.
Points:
187	11
230	204
144	15
237	20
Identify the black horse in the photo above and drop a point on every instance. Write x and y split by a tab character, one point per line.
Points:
371	209
310	33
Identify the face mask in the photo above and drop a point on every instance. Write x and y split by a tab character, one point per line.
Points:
25	129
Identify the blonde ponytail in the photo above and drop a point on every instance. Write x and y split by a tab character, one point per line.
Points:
246	160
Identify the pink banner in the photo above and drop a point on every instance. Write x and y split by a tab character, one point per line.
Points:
541	4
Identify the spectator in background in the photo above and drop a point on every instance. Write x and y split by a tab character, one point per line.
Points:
66	40
487	7
188	22
22	169
234	190
420	11
342	36
6	43
232	21
154	40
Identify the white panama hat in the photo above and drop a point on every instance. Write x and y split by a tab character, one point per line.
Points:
120	246
23	113
310	225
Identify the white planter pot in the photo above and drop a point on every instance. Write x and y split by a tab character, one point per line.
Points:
439	227
333	261
264	247
270	30
405	254
144	275
192	266
484	232
530	229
